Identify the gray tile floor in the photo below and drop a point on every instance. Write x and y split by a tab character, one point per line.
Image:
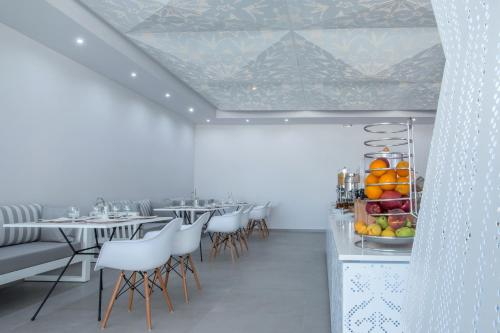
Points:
279	286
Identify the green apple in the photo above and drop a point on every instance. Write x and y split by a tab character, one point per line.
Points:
404	232
382	221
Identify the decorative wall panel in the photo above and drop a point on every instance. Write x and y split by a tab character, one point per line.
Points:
455	267
373	295
299	54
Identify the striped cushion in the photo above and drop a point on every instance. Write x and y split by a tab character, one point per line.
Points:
19	214
145	207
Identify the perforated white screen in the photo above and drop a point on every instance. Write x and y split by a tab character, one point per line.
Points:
455	266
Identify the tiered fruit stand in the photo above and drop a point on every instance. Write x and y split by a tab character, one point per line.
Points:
396	198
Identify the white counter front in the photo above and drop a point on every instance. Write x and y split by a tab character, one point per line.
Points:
366	287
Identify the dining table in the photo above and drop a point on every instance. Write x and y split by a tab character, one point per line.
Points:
188	212
95	224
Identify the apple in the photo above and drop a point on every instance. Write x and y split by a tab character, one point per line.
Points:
382	221
406	206
373	208
392	204
397	221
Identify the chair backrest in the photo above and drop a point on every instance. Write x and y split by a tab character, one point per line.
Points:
225	223
141	254
258	212
268	208
188	237
245	215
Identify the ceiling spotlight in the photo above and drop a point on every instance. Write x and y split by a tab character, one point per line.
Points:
80	41
254	88
347	125
167	95
208	120
286	120
191	110
133	74
247	120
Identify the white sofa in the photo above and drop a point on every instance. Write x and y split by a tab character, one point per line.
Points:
27	252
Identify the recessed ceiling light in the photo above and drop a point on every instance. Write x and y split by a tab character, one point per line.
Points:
80	41
347	125
208	120
167	95
191	110
286	120
254	88
247	120
133	74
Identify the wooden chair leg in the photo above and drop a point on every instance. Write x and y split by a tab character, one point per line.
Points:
222	240
244	239
114	294
184	280
213	252
251	226
195	272
147	294
240	240
164	290
265	227
167	273
131	291
262	230
231	248
233	242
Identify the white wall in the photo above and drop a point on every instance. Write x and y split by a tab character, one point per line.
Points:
294	166
68	134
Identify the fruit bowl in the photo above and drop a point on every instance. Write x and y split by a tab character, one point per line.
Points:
388	240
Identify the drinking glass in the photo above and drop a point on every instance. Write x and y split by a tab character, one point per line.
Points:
73	212
126	209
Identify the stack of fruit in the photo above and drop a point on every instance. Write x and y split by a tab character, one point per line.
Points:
389	189
392	226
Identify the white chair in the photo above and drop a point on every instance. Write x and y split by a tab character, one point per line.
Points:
258	217
241	235
185	242
139	257
224	229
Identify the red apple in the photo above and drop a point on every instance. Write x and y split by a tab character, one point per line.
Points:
406	206
397	221
373	208
392	204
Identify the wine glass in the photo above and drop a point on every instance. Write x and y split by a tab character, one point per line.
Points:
126	209
73	212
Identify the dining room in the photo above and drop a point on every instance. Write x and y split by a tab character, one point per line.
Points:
249	166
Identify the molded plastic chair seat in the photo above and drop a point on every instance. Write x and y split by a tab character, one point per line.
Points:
224	228
138	256
258	217
186	241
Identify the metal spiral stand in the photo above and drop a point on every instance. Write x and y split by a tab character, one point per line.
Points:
391	135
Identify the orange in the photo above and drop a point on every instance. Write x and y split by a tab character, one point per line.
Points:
373	192
404	189
403	165
391	172
371	179
377	164
387	179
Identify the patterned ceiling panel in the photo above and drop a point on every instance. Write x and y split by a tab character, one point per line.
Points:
338	14
291	54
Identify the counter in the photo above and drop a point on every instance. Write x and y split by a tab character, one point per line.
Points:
367	287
